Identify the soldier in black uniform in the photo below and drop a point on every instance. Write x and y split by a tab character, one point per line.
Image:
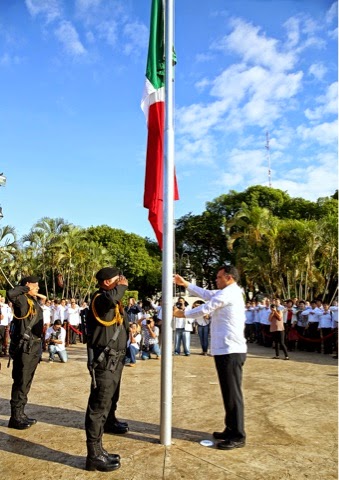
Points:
25	346
107	333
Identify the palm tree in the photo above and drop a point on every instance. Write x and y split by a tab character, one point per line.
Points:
43	237
8	248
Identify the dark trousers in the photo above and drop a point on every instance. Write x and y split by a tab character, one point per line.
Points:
203	335
111	418
229	368
24	366
328	341
278	338
267	335
301	342
313	334
2	338
249	332
101	400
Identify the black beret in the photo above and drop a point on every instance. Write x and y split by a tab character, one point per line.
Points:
30	279
106	273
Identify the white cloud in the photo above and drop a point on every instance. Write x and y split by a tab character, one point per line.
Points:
323	134
136	34
7	59
254	47
264	91
203	57
202	84
49	9
246	96
317	180
197	151
68	36
243	167
318	70
328	104
332	13
85	5
108	31
293	31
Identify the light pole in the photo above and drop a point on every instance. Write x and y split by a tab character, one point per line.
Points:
2	184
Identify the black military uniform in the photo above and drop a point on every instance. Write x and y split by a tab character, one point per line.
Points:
107	334
25	349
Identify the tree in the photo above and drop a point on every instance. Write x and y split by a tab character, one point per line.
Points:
132	254
8	249
203	239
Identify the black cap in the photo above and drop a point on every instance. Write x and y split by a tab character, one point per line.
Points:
30	279
106	273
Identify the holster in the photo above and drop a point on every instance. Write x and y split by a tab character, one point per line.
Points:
90	365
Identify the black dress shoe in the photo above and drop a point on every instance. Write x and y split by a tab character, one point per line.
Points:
118	428
225	435
230	444
18	423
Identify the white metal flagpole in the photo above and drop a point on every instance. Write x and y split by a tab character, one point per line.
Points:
168	237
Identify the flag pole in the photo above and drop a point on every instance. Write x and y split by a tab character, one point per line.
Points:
168	236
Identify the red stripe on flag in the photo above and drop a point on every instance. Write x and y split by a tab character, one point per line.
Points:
154	191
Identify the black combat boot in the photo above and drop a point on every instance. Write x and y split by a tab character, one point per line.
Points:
111	456
31	421
17	421
113	425
97	460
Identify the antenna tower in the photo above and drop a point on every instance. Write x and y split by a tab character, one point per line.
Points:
268	158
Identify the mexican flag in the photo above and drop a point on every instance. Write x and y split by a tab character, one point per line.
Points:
153	106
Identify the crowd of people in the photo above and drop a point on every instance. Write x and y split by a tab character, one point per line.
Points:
118	336
303	325
310	326
66	317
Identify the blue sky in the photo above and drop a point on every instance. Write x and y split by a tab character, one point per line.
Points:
73	136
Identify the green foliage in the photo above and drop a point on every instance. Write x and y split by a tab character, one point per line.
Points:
281	245
128	294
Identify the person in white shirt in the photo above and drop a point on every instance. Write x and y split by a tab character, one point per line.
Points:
334	310
55	339
47	315
264	315
72	315
203	323
6	316
228	346
257	326
311	330
325	327
249	322
301	324
290	320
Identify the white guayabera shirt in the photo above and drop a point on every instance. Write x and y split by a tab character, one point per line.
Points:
227	310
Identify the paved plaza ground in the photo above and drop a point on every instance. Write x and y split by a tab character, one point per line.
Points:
291	421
